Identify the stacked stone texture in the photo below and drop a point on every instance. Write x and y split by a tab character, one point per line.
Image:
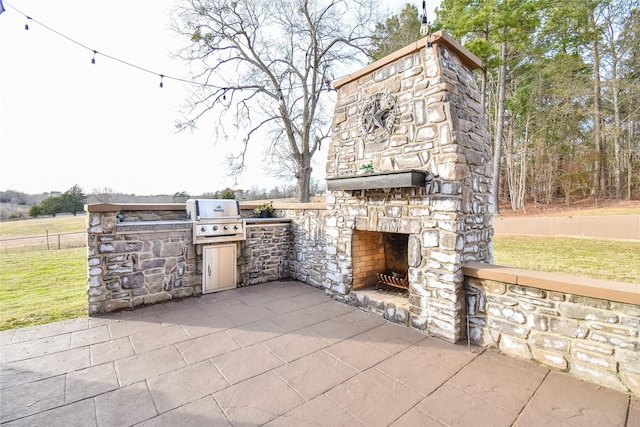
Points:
129	269
441	131
312	256
265	254
594	339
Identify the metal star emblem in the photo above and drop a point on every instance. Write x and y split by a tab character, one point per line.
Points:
375	117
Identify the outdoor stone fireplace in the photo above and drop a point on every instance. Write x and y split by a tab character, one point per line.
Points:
409	180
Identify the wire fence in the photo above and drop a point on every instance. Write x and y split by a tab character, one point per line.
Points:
45	242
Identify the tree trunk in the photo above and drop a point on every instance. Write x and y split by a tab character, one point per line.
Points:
523	165
509	160
304	181
617	137
483	81
483	91
629	160
497	143
597	118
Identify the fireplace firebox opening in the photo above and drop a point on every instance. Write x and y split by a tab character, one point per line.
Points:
380	261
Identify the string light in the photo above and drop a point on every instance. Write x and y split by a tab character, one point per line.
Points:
424	25
113	58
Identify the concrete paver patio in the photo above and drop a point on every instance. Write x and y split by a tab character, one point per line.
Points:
280	354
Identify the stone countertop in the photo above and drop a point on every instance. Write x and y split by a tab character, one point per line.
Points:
185	224
179	224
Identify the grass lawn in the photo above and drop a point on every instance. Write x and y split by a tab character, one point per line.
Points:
40	226
42	287
600	259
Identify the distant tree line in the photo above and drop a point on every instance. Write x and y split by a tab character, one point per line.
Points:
18	198
254	193
71	201
16	204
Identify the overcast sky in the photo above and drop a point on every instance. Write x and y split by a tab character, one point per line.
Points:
65	121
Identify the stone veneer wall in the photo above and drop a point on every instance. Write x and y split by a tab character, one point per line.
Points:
313	257
138	254
265	254
441	131
130	266
593	338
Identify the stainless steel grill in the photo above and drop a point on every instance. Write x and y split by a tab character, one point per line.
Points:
215	220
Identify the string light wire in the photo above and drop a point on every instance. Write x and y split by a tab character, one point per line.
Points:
113	58
121	61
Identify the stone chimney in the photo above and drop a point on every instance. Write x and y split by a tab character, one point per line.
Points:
426	202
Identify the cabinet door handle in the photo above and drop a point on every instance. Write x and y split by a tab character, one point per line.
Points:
209	268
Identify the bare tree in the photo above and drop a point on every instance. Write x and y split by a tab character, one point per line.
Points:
268	67
103	194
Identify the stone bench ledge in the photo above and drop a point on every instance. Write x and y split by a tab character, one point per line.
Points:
117	207
595	288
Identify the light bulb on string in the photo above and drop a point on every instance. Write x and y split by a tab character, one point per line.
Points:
95	53
424	24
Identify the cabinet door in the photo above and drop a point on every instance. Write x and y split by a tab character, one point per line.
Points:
218	268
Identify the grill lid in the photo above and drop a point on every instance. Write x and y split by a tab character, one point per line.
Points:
199	209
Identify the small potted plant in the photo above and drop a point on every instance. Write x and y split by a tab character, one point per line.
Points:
365	169
264	210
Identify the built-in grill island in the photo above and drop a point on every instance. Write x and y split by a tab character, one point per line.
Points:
217	230
139	254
